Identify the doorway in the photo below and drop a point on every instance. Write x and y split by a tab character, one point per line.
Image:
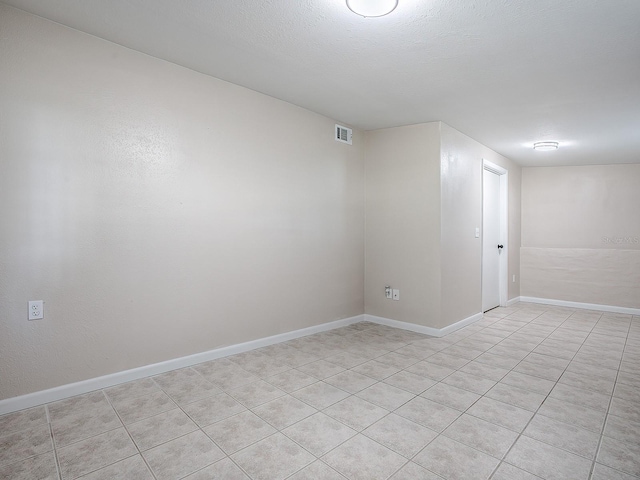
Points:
495	249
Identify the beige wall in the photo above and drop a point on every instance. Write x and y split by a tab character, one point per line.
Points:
402	223
461	252
159	212
423	203
581	234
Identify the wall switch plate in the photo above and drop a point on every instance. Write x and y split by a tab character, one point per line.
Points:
514	279
387	291
396	294
477	232
36	309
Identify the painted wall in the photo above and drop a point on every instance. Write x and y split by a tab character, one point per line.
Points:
581	234
159	212
402	223
423	204
461	252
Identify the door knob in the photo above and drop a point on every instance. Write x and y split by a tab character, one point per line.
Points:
500	246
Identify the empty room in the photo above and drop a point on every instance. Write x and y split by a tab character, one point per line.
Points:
319	239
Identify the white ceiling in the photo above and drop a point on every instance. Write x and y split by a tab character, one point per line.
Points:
505	72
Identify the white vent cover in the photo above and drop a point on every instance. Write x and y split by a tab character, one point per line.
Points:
343	134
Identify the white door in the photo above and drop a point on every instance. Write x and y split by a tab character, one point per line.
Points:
491	247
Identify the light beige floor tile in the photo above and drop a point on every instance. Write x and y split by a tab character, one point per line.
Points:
430	370
516	396
227	376
319	433
185	386
471	383
622	430
94	453
256	393
602	472
597	384
453	460
291	380
528	382
385	396
160	428
481	435
579	396
573	414
223	469
409	382
360	458
321	369
88	403
499	361
85	424
213	409
347	360
317	471
350	381
622	456
629	378
500	413
239	431
428	413
274	458
295	358
542	371
22	420
592	370
40	467
182	456
400	435
140	407
284	411
397	360
449	361
376	370
629	409
509	472
128	469
128	390
356	412
320	395
547	361
413	471
547	461
463	352
25	443
483	370
562	435
451	396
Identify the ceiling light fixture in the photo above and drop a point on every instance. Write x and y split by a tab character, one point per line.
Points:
372	8
545	146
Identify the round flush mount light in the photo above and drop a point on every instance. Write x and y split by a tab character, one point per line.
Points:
545	146
372	8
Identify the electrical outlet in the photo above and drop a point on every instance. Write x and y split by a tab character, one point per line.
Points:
396	294
387	292
36	309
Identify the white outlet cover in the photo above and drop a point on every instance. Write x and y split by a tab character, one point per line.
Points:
36	309
396	294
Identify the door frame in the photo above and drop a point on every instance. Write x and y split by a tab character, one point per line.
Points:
503	274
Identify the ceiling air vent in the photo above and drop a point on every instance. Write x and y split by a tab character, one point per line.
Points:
343	134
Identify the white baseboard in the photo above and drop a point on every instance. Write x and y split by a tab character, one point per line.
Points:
434	332
585	306
58	393
513	301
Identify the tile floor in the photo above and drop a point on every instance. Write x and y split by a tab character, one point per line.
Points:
530	391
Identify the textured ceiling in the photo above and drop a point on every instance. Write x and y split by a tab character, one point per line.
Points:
505	72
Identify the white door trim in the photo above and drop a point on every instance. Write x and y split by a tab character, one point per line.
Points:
503	175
